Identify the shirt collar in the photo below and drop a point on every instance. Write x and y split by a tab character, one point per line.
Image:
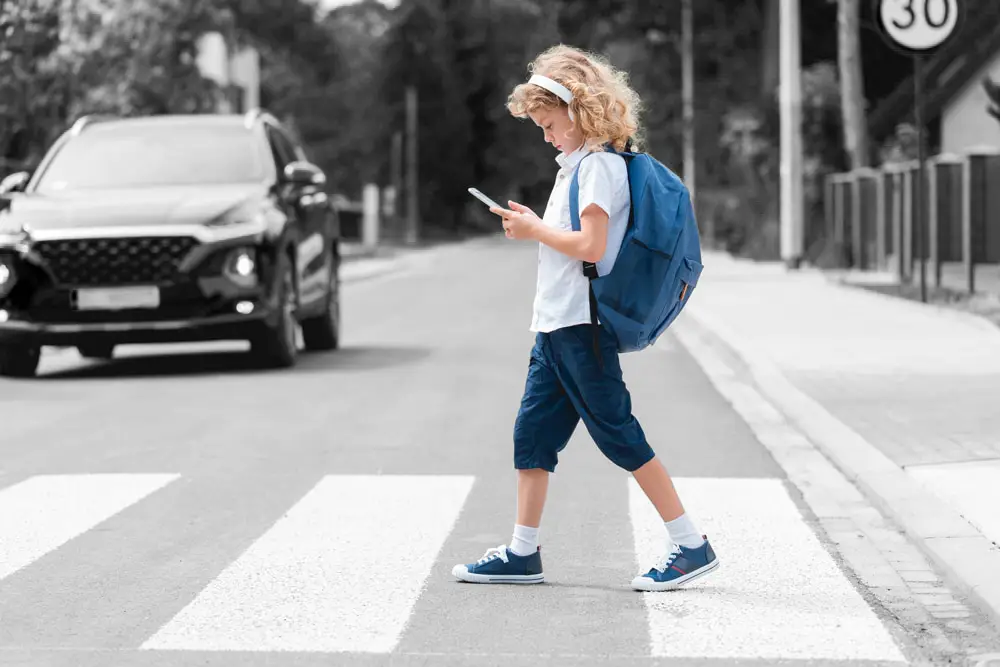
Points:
570	161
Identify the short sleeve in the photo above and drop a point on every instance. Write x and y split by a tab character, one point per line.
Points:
602	176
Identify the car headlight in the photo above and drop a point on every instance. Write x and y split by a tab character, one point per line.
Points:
241	267
8	276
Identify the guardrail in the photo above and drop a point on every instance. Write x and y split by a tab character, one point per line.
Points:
871	215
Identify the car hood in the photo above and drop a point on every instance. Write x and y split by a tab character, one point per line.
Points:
189	205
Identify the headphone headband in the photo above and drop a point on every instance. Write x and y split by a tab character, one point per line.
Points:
554	87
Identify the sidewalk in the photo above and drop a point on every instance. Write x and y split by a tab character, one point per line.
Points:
901	396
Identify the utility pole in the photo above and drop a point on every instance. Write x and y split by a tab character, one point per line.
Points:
412	209
396	167
792	208
687	57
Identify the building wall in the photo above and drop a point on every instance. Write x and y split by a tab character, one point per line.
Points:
965	122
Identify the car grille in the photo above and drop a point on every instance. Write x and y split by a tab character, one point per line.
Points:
115	261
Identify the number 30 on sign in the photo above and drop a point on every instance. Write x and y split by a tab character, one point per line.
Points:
918	26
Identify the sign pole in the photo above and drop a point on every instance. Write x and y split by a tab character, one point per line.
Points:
917	28
921	184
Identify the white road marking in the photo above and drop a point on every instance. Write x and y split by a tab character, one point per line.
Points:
340	571
42	513
777	594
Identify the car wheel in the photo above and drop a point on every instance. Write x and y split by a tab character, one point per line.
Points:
323	332
96	351
278	347
19	361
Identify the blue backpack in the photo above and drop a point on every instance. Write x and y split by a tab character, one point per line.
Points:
659	262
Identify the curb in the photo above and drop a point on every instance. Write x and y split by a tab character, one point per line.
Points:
966	558
362	267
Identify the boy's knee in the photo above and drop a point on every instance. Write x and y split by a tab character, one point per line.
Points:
628	457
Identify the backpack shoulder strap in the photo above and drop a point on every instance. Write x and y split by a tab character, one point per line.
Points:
589	268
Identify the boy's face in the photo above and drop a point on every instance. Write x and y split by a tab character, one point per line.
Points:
558	128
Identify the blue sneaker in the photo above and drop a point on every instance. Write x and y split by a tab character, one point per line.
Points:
679	567
503	566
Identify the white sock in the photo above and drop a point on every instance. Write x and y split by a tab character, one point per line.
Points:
525	540
683	532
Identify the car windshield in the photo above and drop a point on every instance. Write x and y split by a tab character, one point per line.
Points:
120	156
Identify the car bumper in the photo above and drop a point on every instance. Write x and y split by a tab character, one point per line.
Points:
218	327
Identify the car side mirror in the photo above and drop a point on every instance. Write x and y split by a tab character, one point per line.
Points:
14	183
304	173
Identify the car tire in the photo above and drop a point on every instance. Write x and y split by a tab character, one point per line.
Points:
277	346
19	361
323	332
96	351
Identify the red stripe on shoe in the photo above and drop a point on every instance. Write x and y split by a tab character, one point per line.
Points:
674	567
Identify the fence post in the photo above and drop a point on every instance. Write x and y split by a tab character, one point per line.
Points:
842	219
910	203
829	205
883	214
866	202
370	219
944	215
896	220
974	210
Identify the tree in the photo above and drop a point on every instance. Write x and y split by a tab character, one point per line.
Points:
29	90
852	82
136	57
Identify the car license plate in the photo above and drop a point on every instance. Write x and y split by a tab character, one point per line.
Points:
118	298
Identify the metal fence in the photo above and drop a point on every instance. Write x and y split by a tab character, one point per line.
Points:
871	215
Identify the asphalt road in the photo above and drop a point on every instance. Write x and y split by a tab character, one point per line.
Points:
176	506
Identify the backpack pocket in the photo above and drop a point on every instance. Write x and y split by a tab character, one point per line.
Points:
647	270
681	287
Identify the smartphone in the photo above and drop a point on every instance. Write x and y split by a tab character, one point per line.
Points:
483	198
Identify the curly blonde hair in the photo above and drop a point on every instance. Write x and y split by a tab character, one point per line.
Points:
604	106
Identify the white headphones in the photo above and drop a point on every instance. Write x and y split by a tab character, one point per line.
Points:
559	90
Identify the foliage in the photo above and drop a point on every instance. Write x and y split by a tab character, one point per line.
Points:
339	81
60	59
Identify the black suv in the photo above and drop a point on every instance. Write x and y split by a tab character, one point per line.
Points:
165	229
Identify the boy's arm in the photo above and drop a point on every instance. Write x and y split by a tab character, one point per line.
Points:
588	244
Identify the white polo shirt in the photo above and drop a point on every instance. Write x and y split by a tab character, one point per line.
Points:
562	297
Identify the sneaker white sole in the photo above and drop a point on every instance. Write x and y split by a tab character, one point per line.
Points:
643	583
461	573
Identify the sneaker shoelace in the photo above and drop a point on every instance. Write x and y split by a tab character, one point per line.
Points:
668	560
496	552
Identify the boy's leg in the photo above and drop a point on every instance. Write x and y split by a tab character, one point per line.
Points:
545	421
532	488
603	402
655	482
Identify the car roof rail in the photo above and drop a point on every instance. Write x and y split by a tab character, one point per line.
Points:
85	121
256	114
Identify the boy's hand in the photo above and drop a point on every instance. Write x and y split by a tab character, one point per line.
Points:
520	222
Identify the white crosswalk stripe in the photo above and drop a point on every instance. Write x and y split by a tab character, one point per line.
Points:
343	568
44	512
777	594
339	572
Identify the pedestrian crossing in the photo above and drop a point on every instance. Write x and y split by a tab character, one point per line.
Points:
41	513
343	569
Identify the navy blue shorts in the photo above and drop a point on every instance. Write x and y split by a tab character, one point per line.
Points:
565	384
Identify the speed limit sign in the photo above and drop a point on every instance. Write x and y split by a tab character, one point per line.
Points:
918	26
